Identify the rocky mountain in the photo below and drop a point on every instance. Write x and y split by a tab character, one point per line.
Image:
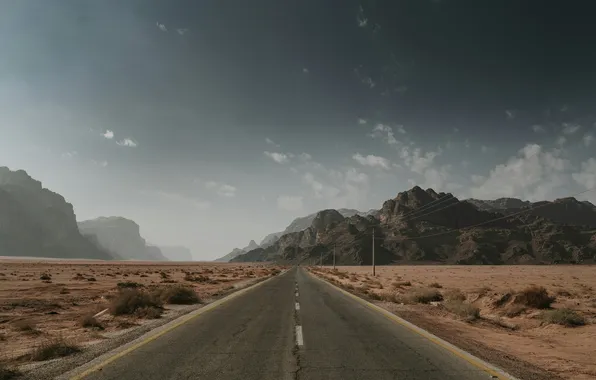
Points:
422	226
238	251
37	222
562	211
302	223
176	253
121	236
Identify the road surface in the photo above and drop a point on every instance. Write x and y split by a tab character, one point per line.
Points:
291	327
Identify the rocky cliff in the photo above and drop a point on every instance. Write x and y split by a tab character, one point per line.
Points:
424	226
121	236
238	251
37	222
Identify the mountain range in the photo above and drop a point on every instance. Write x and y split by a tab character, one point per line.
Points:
423	226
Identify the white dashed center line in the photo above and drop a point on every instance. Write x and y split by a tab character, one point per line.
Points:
297	306
299	338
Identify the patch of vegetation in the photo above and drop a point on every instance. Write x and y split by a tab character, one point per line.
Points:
534	296
8	373
26	326
463	309
52	349
423	295
454	295
178	295
435	285
91	279
89	321
128	301
399	284
149	312
129	285
514	310
45	277
564	317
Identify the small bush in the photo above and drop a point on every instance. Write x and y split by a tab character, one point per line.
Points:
8	373
149	312
25	326
388	297
64	291
178	295
129	285
399	284
53	349
564	317
514	310
462	309
454	295
424	296
91	279
535	296
129	300
435	285
90	321
45	277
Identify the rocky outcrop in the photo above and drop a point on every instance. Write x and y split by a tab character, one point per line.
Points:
121	236
176	253
424	226
37	222
238	251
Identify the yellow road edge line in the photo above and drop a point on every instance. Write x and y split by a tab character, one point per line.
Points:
184	319
475	361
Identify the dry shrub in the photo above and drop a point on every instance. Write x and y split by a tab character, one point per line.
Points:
129	285
8	373
149	312
462	309
423	295
373	295
564	317
534	296
435	285
514	310
91	279
503	299
45	277
52	349
388	297
26	326
454	295
128	301
178	295
563	293
90	321
399	284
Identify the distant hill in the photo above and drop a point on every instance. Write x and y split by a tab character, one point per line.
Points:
176	253
423	226
37	222
564	210
238	251
121	236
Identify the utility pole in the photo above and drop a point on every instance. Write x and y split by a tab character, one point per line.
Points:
373	252
321	259
334	255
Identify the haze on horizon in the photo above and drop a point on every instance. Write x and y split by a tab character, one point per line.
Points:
212	124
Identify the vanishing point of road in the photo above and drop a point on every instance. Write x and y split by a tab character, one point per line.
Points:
293	326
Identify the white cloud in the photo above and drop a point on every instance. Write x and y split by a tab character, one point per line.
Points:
102	164
161	27
222	189
570	128
587	176
108	134
369	82
280	158
271	142
588	139
561	140
372	161
400	129
510	114
182	31
532	174
178	198
361	121
538	128
385	132
305	156
127	142
305	70
69	155
290	203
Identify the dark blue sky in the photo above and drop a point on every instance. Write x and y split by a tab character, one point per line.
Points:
233	117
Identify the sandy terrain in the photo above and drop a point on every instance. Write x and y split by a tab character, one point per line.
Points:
42	300
524	344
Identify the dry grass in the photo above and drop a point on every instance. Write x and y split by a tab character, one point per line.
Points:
454	295
178	295
128	301
89	321
26	326
535	296
52	349
564	317
462	309
422	295
7	373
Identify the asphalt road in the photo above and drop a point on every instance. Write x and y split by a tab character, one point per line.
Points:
292	327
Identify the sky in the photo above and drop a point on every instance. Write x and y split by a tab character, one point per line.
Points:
211	123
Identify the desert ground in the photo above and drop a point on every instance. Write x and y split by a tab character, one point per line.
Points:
55	301
499	313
